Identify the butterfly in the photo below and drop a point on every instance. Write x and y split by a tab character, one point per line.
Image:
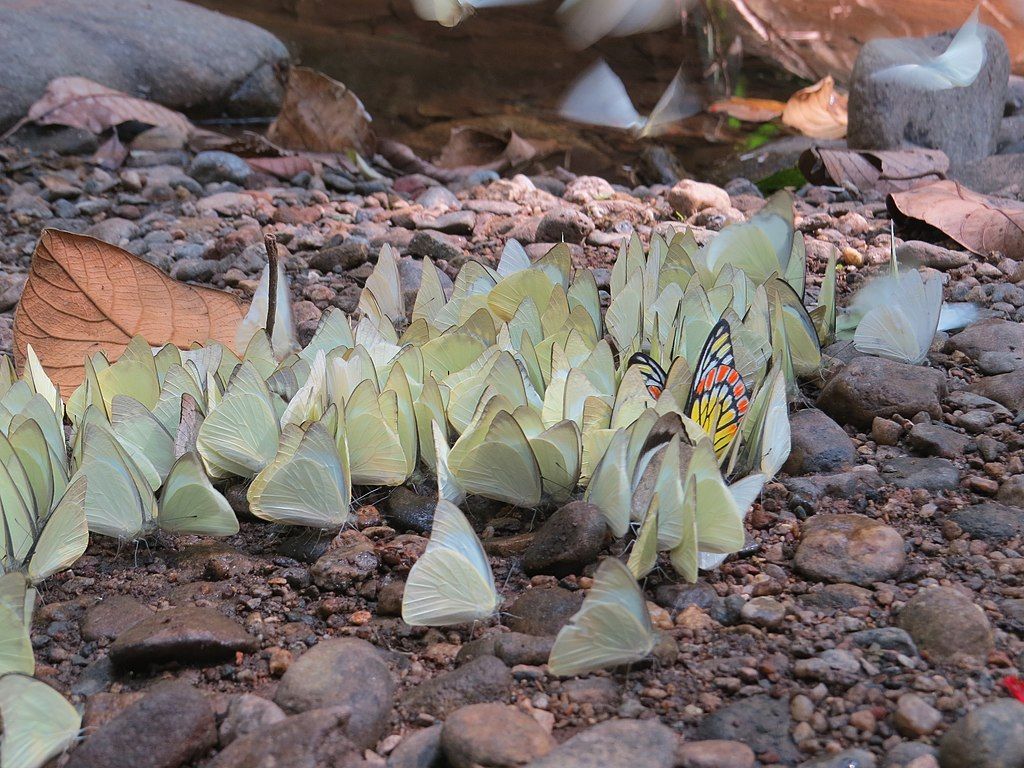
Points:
718	396
655	377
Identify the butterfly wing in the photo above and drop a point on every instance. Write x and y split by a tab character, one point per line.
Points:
39	723
654	375
718	396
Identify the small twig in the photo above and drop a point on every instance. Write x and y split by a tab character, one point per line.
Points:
271	246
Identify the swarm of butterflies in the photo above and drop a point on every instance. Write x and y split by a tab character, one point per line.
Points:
664	401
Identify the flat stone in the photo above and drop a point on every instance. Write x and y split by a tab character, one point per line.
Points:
599	692
493	736
437	245
482	680
872	386
809	490
1007	389
763	612
891	113
990	736
568	541
915	716
714	753
564	225
347	673
849	548
615	744
992	335
110	617
760	722
214	166
348	254
944	622
420	749
173	724
837	597
930	439
248	714
516	648
688	197
990	520
678	597
885	638
350	559
932	474
543	610
313	739
931	255
818	444
181	635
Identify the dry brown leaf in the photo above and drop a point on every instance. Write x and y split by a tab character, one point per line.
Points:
111	154
81	103
320	114
818	111
84	296
470	147
884	171
282	167
980	223
748	110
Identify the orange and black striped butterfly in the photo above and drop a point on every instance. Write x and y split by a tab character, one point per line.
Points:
654	375
718	396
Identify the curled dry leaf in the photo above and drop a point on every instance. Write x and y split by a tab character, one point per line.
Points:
81	103
883	171
980	223
85	296
320	114
748	110
470	147
818	111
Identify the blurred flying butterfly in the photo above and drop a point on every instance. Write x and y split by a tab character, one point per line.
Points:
654	375
718	397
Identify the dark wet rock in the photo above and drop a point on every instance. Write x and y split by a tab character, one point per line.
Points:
184	635
885	638
566	225
214	166
837	597
543	611
306	545
849	548
350	559
568	541
872	386
894	113
615	744
1007	389
944	622
347	254
678	597
990	521
312	739
990	736
248	714
760	722
809	490
347	673
714	753
482	680
516	648
97	676
930	439
992	336
176	53
170	726
493	736
931	255
407	510
112	616
848	758
932	474
436	245
818	444
420	749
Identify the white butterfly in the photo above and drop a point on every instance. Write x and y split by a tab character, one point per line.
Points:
451	583
903	327
450	13
255	319
587	21
612	627
16	603
39	723
598	97
957	67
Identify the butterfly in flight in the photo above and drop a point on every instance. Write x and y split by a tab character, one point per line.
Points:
718	396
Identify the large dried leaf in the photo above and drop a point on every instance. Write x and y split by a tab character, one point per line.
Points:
980	223
814	38
84	296
818	111
81	103
469	147
748	110
883	171
321	115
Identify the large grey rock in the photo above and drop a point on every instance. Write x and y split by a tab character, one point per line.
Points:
818	444
172	52
313	739
991	520
341	673
760	722
944	622
890	114
991	736
872	386
1007	389
420	749
484	679
171	725
991	336
849	548
615	744
493	736
569	540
